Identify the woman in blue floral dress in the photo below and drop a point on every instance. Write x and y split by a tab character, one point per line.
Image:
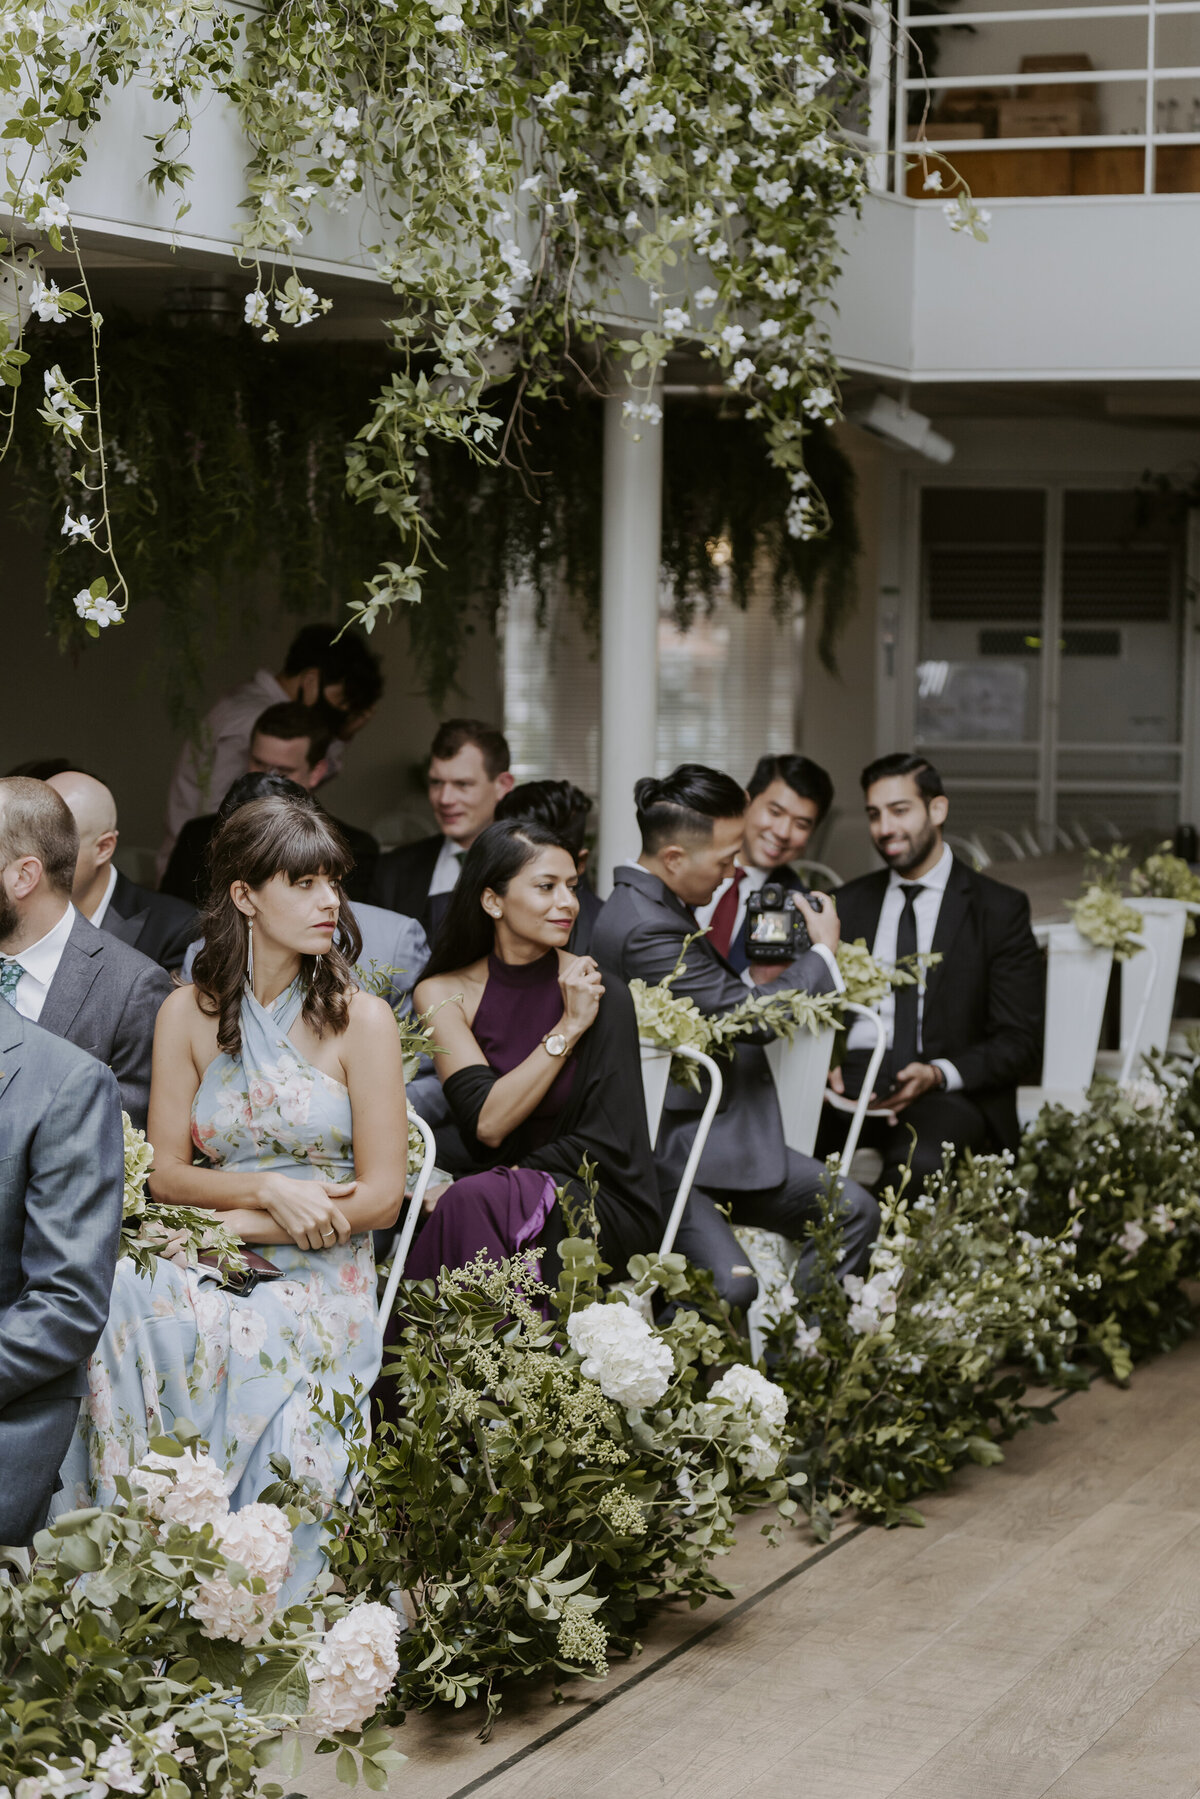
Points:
278	1104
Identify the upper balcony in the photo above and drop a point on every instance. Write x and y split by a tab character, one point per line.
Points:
1078	127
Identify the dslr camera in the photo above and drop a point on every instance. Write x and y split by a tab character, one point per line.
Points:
775	929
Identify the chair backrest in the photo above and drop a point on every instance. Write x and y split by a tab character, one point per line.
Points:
656	1073
801	1068
1164	922
1077	976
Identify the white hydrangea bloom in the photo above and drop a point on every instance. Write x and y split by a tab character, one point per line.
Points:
354	1667
260	1538
625	1356
749	1391
1131	1239
184	1489
234	1614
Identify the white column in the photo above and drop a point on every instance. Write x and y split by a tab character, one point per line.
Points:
629	578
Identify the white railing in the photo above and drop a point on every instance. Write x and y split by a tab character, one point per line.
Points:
895	73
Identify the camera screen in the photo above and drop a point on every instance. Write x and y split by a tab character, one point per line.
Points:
771	927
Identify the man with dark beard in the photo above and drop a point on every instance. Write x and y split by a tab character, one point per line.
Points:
960	1043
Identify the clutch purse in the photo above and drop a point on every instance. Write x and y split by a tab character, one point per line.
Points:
242	1280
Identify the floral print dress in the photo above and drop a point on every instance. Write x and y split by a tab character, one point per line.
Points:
248	1371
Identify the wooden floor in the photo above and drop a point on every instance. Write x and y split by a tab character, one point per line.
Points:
1040	1636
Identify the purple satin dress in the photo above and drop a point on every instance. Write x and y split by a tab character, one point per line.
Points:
503	1209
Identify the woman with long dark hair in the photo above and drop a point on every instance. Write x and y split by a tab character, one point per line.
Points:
538	1057
276	1104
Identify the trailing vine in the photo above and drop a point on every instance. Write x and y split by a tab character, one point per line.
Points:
531	171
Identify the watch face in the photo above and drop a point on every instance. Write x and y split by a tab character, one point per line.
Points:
556	1044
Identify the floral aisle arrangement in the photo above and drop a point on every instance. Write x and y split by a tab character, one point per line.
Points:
515	162
1123	1177
902	1376
142	1649
555	1464
181	1233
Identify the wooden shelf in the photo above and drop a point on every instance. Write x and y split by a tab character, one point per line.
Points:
1027	174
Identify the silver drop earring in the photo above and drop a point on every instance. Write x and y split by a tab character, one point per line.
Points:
250	953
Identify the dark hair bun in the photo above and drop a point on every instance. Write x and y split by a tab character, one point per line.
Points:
647	792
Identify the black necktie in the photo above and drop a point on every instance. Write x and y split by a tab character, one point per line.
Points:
904	1029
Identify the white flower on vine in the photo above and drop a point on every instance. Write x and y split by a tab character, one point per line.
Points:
818	402
97	612
777	376
303	194
115	1767
76	35
558	90
569	196
531	183
933	182
256	311
83	526
733	337
773	193
675	319
504	321
1131	1238
297	304
53	216
632	220
660	120
769	328
741	372
807	1338
1161	1218
345	118
46	301
707	297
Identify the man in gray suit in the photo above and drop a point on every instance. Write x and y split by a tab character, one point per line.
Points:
692	827
61	1189
78	982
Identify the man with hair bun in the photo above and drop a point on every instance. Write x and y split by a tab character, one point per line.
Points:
692	825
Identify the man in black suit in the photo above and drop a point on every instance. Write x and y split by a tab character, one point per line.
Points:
692	826
789	796
958	1050
291	740
155	923
468	776
563	808
56	969
62	1178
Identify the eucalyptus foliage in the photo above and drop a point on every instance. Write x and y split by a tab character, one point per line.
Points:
534	178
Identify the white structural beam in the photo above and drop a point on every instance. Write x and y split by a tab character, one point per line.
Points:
629	580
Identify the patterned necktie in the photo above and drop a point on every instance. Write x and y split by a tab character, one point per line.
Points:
720	931
904	1034
10	976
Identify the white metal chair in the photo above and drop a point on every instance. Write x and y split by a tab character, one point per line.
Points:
656	1072
807	866
1077	977
1148	984
800	1070
406	1224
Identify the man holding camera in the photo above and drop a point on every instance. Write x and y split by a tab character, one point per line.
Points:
693	826
789	796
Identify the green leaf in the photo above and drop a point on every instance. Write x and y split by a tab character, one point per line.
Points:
279	1685
346	1768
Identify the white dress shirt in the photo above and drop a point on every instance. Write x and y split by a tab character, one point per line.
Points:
97	917
447	868
40	962
752	880
926	908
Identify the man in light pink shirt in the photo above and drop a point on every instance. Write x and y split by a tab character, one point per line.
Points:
344	675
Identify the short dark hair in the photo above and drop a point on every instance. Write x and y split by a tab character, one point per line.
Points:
684	804
559	805
35	820
260	785
49	765
807	779
342	658
456	733
905	762
288	720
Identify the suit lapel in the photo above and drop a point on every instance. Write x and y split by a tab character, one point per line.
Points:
956	903
12	1041
81	962
862	917
123	919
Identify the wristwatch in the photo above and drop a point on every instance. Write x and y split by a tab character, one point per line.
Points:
555	1044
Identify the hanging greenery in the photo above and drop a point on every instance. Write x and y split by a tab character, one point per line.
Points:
225	461
535	179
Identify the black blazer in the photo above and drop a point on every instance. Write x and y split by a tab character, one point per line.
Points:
62	1177
186	874
985	1001
105	998
401	881
156	923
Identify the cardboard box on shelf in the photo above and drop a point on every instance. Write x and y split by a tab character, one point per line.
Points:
1048	118
944	131
1061	63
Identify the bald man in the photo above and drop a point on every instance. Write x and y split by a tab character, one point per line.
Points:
154	923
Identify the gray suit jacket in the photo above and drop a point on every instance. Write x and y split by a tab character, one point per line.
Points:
639	935
105	998
61	1189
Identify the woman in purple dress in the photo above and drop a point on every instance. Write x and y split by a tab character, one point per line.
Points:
539	1061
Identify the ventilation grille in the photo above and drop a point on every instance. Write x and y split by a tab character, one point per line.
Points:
1128	583
985	583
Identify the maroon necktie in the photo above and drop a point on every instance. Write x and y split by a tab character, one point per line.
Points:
720	931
